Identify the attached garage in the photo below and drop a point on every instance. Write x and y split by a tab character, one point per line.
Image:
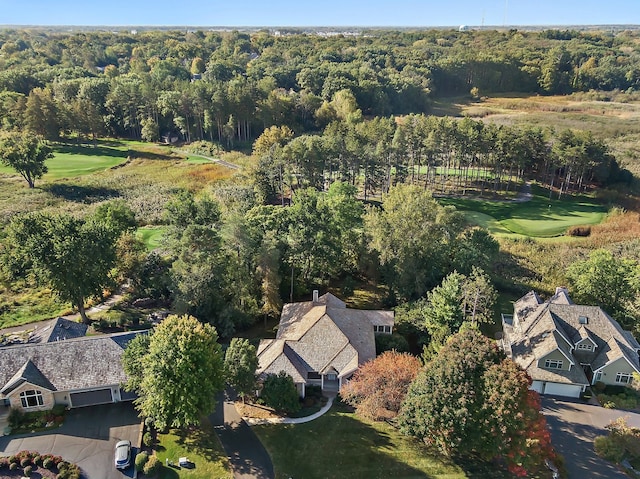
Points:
537	386
127	395
91	398
567	390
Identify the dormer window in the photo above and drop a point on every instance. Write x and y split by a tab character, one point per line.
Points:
583	320
585	346
382	329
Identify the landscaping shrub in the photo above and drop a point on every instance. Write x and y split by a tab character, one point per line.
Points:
141	460
37	460
147	439
152	466
280	393
13	466
47	463
24	462
388	342
27	471
14	459
4	462
15	418
599	386
579	231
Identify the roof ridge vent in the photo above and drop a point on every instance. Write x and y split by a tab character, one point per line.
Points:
583	320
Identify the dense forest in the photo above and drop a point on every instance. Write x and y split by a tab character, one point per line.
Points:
229	87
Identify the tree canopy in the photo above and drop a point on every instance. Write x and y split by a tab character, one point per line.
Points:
178	376
26	154
240	364
74	257
378	388
470	400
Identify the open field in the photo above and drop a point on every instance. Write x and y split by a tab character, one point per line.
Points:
339	444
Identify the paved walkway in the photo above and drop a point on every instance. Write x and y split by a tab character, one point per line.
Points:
291	420
248	457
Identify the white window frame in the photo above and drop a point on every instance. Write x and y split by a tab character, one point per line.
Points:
628	378
35	394
585	346
553	363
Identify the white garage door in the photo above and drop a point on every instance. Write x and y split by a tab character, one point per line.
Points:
537	386
568	390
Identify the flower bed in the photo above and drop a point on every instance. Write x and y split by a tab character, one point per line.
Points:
33	464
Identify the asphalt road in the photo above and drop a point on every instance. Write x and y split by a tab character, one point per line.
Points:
574	426
87	438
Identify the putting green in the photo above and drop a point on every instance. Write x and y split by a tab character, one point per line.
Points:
74	161
151	237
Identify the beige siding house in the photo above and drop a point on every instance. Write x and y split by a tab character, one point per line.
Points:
74	372
322	342
565	346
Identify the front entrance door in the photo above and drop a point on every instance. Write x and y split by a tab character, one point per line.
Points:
587	371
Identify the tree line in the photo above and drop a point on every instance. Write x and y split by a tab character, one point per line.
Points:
441	154
229	86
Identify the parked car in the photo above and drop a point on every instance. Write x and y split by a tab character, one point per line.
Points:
123	454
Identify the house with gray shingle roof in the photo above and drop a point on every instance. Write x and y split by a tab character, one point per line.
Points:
79	371
566	347
322	342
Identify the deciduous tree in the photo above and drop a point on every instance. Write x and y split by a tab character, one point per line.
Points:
26	154
378	388
470	400
72	256
240	364
178	377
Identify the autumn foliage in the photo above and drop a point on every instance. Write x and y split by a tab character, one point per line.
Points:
471	400
379	387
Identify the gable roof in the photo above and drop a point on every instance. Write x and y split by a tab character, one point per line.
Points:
58	330
317	336
557	325
29	373
72	364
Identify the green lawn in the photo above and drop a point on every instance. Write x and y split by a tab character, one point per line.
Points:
152	237
539	217
201	446
339	445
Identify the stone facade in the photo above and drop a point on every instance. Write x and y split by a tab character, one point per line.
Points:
48	400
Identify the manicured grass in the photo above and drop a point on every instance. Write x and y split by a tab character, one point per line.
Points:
339	445
152	237
201	446
539	217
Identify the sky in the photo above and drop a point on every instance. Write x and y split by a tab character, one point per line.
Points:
302	13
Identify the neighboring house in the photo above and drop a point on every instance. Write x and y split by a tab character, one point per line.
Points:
75	372
45	332
322	342
565	346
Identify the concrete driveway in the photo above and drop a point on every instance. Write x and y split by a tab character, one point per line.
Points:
574	426
87	438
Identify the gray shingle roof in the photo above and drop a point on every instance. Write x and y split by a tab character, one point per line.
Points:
60	329
29	373
549	326
321	335
72	364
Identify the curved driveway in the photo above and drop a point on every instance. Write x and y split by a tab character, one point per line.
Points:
574	426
